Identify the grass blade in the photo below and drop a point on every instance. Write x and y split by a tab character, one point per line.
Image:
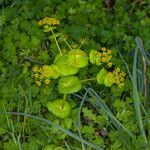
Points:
137	99
57	126
141	48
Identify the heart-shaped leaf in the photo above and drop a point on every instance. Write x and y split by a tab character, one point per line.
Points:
59	108
70	84
65	67
77	58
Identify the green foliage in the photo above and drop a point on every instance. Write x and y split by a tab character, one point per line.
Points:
70	84
59	108
24	45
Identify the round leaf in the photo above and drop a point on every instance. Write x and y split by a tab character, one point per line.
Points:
65	67
70	84
101	75
55	71
59	108
77	58
95	57
108	81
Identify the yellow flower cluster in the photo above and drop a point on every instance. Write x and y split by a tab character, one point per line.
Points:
83	41
42	74
117	77
106	56
48	21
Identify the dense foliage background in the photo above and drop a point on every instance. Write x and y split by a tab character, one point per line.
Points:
114	24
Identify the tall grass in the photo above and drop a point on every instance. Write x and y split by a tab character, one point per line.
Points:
69	133
133	77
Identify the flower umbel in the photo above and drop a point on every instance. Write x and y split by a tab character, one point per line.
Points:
104	56
42	75
48	21
117	77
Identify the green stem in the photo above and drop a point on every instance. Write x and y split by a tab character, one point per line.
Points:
80	46
56	43
85	80
63	101
68	45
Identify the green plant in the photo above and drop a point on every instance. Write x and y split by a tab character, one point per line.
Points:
69	63
109	110
59	108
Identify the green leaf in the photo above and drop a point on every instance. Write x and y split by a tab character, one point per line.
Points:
89	114
48	28
49	147
77	58
59	108
107	80
55	71
2	131
68	85
101	75
9	144
55	35
95	57
64	66
88	129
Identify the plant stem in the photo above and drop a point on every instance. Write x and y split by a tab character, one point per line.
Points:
68	45
63	101
136	99
85	80
80	46
56	42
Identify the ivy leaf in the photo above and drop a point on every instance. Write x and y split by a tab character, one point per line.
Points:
68	85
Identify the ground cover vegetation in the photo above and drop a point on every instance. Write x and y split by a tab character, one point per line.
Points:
74	74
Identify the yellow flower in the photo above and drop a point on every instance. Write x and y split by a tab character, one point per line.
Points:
38	83
103	49
36	75
41	77
47	81
48	21
109	64
35	69
118	77
47	71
